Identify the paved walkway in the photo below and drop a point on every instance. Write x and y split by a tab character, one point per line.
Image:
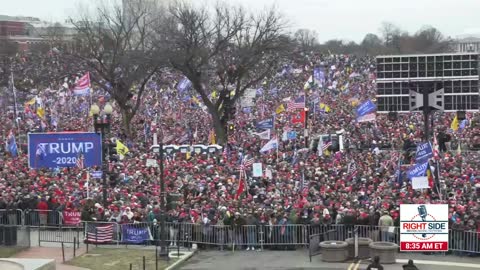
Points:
52	253
298	260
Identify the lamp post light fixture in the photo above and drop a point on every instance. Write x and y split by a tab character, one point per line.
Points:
101	124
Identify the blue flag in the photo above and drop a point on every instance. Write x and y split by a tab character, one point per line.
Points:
319	74
247	110
259	91
12	145
135	234
291	135
463	124
366	108
417	170
424	152
265	124
184	85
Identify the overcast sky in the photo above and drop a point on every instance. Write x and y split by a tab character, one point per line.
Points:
332	19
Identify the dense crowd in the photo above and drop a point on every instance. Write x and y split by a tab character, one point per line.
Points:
298	186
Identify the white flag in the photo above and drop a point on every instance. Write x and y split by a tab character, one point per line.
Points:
272	144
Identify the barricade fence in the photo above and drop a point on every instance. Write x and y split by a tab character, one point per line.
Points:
258	236
65	226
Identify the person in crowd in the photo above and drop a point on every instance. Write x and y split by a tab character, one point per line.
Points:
375	265
386	224
410	266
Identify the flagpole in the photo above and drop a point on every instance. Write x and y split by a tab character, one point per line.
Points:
88	184
14	99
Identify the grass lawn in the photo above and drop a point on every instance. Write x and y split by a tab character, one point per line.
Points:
119	259
6	252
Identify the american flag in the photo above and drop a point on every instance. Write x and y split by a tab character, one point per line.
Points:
326	145
246	163
82	86
303	183
80	161
225	152
298	103
99	233
352	168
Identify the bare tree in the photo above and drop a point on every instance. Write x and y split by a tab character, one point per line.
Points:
429	40
372	44
119	53
227	50
306	38
391	35
54	35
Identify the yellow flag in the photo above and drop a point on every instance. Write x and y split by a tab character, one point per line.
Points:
214	94
280	109
211	137
454	124
325	107
195	99
121	149
41	112
31	101
189	155
232	93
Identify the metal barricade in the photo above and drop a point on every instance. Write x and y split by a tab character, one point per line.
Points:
102	233
55	234
461	242
37	218
11	217
377	233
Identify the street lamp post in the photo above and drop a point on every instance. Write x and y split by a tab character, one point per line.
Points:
101	124
158	149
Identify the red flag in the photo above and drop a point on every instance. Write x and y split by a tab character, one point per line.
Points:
431	181
241	188
298	117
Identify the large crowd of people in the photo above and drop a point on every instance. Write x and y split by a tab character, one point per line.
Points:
358	184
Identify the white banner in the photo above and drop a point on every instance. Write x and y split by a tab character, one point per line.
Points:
257	170
151	163
420	182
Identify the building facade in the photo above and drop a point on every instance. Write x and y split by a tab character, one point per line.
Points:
468	44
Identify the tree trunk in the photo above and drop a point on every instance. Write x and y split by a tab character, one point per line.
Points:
220	129
126	120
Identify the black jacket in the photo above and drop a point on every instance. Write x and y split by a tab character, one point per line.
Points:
374	266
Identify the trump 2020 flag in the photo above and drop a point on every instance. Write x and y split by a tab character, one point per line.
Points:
418	170
366	108
82	86
424	152
136	234
272	144
265	124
